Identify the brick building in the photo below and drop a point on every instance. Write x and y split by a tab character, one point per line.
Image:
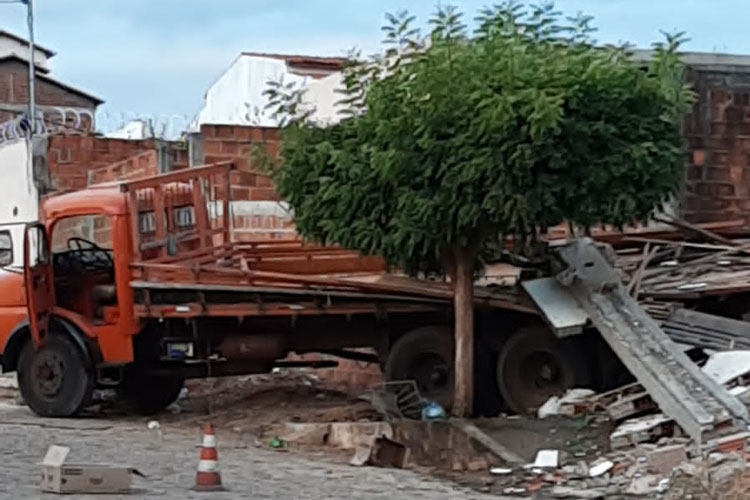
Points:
62	104
717	134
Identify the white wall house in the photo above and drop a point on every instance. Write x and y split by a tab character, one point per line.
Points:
237	97
14	45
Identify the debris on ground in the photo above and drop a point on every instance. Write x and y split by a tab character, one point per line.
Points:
433	411
276	443
703	408
571	403
546	459
60	476
306	433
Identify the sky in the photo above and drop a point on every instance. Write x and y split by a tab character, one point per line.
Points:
152	58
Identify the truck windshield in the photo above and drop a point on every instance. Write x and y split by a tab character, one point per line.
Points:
83	264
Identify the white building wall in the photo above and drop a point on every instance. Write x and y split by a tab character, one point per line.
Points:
20	198
9	46
237	97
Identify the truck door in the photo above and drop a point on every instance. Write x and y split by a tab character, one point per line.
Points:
38	279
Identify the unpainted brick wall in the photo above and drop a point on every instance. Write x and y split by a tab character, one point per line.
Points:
139	165
263	227
72	157
717	175
229	142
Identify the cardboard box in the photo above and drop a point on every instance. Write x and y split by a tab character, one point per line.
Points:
61	477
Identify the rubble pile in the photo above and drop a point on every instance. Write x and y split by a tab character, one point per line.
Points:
650	455
665	469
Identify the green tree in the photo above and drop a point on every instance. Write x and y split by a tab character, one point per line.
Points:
456	140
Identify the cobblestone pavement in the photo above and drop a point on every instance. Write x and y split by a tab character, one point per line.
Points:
170	462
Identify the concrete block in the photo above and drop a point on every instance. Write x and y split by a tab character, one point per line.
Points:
664	460
350	435
306	433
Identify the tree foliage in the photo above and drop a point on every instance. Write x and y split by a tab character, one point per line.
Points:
455	139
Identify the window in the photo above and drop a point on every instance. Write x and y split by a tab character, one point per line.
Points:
183	217
96	229
6	248
37	246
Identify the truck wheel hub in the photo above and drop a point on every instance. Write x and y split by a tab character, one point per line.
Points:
430	373
542	370
48	372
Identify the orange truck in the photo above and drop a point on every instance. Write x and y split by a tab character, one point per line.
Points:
138	285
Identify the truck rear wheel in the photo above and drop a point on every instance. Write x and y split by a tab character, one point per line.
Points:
55	380
424	355
533	365
149	394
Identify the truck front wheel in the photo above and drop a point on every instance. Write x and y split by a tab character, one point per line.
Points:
55	380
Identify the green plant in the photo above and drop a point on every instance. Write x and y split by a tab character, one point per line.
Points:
452	141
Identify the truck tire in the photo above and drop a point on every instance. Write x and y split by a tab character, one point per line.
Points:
533	366
149	394
424	355
55	380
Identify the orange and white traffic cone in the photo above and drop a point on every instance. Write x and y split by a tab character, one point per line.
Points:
207	478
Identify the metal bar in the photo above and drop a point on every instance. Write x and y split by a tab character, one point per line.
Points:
32	69
183	175
199	209
195	310
293	292
159	218
366	357
227	207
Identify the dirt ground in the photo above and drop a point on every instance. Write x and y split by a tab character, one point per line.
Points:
254	409
246	413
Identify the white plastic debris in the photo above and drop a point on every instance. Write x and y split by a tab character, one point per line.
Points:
726	366
600	468
637	425
738	391
692	286
547	459
155	432
550	408
500	471
663	485
563	405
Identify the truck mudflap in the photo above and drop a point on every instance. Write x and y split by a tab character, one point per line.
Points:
703	408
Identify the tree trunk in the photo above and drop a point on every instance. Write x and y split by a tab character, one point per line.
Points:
463	305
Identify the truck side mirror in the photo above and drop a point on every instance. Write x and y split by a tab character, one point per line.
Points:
6	248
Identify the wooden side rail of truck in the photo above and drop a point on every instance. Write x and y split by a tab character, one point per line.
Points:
138	285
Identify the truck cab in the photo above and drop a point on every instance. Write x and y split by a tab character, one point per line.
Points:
137	285
70	303
67	319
